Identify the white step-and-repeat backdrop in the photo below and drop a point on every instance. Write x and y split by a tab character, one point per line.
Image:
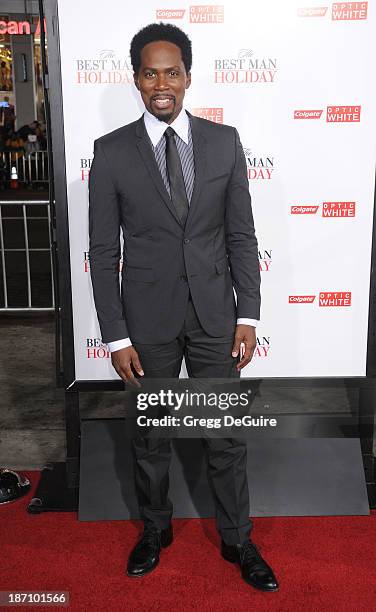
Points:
297	81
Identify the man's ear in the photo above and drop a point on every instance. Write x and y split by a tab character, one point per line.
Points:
188	80
135	78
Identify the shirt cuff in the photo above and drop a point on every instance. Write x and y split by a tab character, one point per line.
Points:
243	321
116	345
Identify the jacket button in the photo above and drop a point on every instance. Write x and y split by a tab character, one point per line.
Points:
186	241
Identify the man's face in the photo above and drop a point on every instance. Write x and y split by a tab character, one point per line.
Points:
162	80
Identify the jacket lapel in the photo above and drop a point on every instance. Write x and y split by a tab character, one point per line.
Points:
147	154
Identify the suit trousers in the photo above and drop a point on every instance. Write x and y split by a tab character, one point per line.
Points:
205	357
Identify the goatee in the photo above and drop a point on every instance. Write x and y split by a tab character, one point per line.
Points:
165	118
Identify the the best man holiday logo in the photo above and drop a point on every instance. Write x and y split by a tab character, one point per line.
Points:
86	260
262	347
247	68
265	260
259	167
85	165
95	349
106	69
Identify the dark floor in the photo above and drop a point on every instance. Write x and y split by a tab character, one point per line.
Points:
31	407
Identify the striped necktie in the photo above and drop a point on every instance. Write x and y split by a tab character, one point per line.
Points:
175	176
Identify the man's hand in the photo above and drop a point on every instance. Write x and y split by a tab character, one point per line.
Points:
247	335
122	361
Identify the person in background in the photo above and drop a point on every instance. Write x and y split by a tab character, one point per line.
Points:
5	77
16	145
7	116
27	129
3	166
42	141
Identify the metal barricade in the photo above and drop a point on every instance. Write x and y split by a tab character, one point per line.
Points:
26	274
31	169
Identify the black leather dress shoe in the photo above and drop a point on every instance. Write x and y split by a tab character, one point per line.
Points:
145	555
254	569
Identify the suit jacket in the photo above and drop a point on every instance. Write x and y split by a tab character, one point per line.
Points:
215	252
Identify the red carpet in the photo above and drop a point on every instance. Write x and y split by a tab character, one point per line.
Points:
324	563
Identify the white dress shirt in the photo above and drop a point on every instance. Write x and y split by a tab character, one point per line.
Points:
156	129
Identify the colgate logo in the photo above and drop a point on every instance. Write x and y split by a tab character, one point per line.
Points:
169	14
304	210
301	299
315	11
307	114
340	11
326	299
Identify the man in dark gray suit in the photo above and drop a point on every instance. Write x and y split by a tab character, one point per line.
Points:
177	187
